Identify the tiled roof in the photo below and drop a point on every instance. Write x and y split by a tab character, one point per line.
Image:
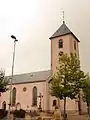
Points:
63	30
31	77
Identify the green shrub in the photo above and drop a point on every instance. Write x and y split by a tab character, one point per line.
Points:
19	113
33	113
3	113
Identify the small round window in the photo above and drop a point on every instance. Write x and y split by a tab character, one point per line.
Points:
24	89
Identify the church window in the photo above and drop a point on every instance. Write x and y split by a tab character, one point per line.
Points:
54	102
75	45
34	103
60	44
14	96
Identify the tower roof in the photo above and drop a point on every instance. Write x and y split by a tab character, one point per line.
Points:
63	30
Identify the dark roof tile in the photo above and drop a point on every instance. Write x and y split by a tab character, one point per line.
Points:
31	77
63	30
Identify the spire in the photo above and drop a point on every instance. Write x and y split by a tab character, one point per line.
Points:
63	30
63	17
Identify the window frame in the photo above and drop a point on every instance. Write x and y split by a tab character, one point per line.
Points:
14	96
34	102
4	105
75	46
60	43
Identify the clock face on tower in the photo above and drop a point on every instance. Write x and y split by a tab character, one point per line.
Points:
24	89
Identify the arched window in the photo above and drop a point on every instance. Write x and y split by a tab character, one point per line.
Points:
4	105
14	96
34	102
60	43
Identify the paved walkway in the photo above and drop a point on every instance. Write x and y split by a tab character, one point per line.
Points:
70	117
77	117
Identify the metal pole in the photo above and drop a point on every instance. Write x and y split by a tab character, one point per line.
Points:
10	97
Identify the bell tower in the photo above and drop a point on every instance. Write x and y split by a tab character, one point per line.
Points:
62	41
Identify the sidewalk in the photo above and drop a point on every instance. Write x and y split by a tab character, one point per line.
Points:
77	117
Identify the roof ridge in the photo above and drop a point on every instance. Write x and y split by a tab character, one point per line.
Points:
26	78
29	73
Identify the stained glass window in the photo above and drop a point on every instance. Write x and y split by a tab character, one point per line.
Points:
35	96
14	96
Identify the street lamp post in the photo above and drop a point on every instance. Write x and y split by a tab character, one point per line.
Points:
10	97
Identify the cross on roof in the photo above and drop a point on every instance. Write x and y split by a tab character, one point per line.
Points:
63	17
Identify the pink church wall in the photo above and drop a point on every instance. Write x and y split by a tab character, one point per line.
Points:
55	50
71	105
25	98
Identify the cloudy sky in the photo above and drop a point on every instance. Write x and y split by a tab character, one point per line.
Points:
33	22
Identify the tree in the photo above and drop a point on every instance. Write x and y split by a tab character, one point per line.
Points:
3	81
86	91
67	80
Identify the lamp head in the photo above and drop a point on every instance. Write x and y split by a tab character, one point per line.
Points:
13	37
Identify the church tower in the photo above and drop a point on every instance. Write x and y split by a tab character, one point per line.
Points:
62	41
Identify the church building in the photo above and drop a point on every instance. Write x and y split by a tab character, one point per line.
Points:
31	90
